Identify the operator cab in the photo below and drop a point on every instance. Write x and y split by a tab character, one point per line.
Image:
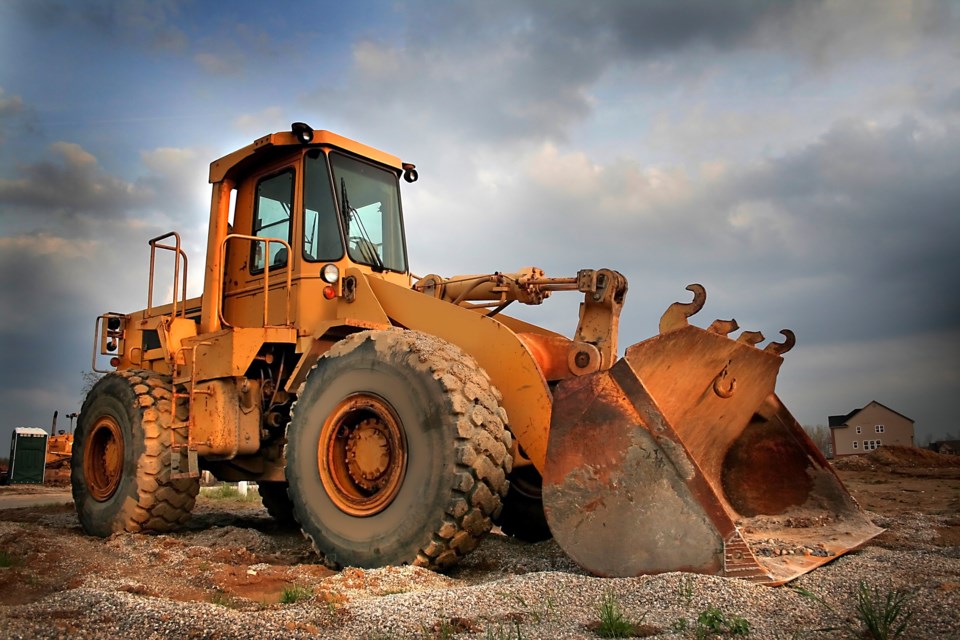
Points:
305	206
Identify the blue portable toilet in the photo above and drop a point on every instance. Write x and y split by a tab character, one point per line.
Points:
28	455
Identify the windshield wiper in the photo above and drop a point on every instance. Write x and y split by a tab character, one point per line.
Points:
365	246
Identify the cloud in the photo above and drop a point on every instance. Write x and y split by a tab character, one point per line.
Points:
74	245
256	124
9	105
829	33
150	24
69	186
219	64
510	72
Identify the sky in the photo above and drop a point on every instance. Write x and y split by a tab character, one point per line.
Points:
799	159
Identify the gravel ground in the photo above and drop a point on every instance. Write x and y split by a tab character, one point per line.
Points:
221	579
506	589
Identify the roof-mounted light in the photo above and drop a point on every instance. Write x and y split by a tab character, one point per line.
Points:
303	131
410	172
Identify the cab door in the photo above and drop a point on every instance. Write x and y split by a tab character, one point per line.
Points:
261	251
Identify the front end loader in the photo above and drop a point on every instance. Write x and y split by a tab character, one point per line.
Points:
397	419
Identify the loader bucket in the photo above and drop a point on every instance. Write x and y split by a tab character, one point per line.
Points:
682	458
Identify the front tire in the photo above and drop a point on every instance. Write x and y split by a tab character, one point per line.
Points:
120	467
397	452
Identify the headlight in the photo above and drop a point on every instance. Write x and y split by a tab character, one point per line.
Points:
329	273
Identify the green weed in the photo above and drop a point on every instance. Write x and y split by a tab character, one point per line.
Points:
685	589
505	634
884	616
881	616
7	559
713	621
295	593
222	599
612	623
444	630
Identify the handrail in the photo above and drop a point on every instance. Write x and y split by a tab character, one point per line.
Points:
179	253
266	277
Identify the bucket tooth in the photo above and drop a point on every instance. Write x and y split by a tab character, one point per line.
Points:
780	348
750	337
723	327
675	317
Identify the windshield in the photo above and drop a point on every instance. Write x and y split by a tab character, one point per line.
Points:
369	199
321	232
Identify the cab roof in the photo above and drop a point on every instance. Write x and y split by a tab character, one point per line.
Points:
220	168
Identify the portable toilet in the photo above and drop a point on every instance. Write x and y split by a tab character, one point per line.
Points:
28	455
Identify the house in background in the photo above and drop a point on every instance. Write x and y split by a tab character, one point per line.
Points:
866	429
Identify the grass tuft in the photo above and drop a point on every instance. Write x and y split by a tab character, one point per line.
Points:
884	616
612	623
295	593
7	560
713	621
230	492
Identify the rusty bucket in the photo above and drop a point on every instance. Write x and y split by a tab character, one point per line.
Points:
682	458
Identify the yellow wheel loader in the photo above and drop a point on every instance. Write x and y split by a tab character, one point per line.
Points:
397	419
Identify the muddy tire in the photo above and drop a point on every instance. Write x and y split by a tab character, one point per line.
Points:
397	452
120	468
522	516
275	500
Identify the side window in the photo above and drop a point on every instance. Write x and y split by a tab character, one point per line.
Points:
271	219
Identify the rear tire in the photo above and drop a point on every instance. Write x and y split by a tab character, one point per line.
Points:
276	501
522	516
397	452
120	467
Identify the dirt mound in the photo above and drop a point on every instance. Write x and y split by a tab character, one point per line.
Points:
896	456
853	463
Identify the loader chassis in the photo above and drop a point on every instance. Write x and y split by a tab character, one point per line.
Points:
388	416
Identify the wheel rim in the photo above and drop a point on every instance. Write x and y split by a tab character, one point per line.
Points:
103	459
362	455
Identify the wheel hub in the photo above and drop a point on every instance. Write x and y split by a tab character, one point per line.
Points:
361	455
103	459
368	454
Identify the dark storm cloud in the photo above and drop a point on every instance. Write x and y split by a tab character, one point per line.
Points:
863	223
508	71
643	28
878	207
68	185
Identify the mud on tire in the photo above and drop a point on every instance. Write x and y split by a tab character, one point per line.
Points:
429	426
120	469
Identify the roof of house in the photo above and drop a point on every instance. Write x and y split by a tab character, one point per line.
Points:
30	431
836	422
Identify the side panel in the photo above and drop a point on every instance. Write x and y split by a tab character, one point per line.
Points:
506	360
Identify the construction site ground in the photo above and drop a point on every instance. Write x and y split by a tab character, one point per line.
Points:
235	573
